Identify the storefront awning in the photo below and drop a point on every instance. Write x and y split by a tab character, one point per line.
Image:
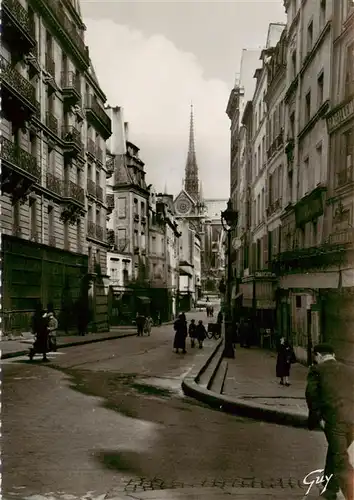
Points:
185	271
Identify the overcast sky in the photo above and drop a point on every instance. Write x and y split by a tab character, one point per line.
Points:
154	58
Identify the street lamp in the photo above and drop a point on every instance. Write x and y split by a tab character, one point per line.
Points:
229	218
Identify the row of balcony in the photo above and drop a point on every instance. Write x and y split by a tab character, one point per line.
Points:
17	27
276	145
95	231
54	11
65	189
94	151
94	190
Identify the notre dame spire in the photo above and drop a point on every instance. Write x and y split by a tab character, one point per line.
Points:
191	184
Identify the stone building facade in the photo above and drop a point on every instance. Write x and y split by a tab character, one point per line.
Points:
54	129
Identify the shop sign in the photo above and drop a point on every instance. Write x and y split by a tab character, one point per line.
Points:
343	114
265	304
264	274
308	210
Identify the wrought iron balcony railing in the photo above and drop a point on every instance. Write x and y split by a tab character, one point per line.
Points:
91	187
52	122
54	184
75	192
101	116
17	156
17	82
20	14
67	27
99	193
345	176
71	135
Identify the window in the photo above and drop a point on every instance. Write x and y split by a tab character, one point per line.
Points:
320	90
262	205
142	209
319	161
89	213
136	238
292	125
97	177
270	190
122	208
298	301
33	144
122	239
349	72
263	151
280	182
51	230
322	13
307	107
305	176
78	236
259	159
153	244
136	210
309	37
89	254
66	236
98	217
33	219
78	176
16	136
294	64
51	160
259	208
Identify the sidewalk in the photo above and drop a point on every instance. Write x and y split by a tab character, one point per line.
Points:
247	386
250	377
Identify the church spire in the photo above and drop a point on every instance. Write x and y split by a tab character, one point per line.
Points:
191	177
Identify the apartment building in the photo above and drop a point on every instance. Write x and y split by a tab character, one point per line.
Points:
307	100
338	318
52	105
261	150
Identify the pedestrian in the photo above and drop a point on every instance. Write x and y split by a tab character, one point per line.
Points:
52	327
192	330
180	327
201	333
40	330
140	322
285	358
212	311
148	325
330	400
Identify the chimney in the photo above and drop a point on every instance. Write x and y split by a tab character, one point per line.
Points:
126	131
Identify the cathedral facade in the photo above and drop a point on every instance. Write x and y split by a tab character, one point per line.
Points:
201	244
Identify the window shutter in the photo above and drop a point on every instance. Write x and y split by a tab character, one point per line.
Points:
266	195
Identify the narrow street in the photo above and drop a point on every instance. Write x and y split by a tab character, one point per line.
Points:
111	416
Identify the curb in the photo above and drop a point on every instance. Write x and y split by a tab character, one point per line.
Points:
237	406
18	354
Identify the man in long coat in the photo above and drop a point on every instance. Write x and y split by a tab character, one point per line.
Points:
330	399
180	327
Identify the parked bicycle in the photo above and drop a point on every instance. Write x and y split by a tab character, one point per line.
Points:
214	331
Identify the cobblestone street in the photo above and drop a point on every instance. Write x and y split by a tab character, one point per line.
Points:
111	417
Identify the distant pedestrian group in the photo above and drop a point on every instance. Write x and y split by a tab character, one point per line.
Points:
143	324
197	333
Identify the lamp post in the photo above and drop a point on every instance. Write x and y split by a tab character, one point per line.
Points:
229	218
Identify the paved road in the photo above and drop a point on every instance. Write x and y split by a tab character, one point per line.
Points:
111	416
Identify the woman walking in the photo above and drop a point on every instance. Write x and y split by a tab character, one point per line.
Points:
180	327
285	358
148	325
201	333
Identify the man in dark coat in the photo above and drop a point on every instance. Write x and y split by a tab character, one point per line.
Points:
180	327
140	322
330	399
200	333
41	332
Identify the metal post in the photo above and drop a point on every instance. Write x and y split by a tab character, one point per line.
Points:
228	348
